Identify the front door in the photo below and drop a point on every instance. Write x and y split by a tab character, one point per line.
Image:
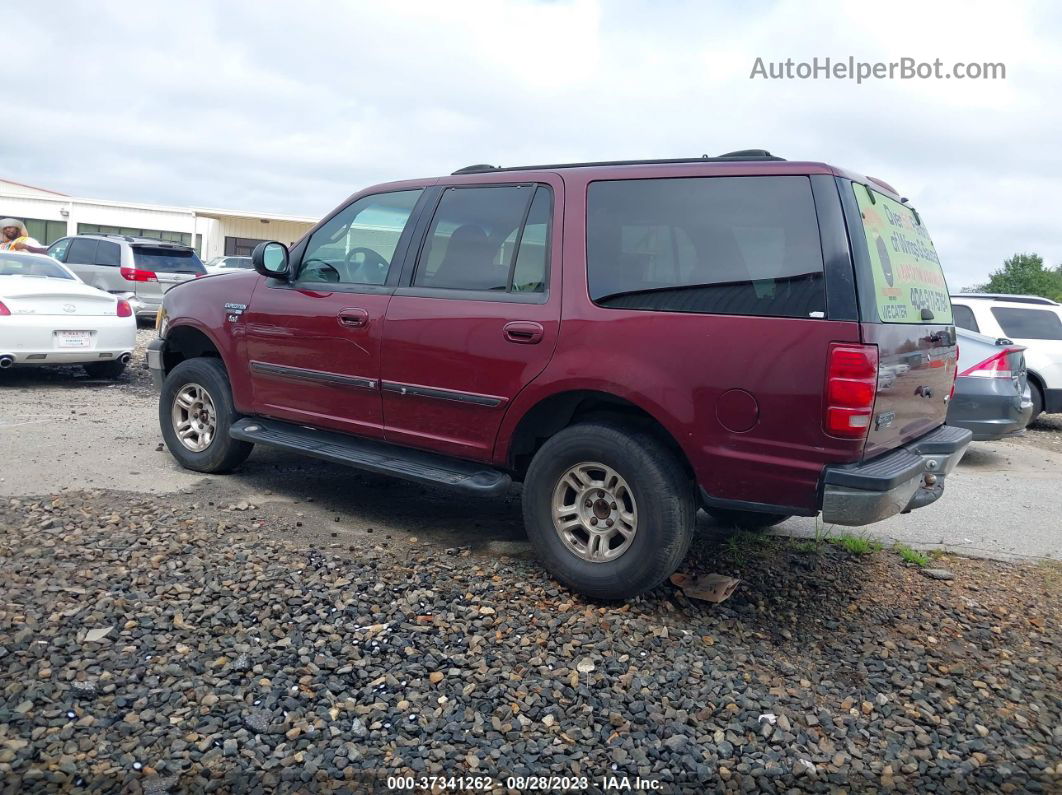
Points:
476	321
313	344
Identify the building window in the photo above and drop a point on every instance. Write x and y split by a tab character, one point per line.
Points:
240	246
44	232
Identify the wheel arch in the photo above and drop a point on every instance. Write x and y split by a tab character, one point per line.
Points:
560	410
188	342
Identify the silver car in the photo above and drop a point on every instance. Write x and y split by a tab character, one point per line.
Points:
138	269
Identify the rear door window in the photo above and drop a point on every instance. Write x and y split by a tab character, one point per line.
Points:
909	284
1029	324
488	238
964	317
82	251
108	253
167	260
718	245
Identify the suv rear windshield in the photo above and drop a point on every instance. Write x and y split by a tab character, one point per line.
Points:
167	260
717	245
1029	324
909	285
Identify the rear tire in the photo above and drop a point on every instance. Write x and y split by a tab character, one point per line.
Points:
746	520
641	491
196	413
111	370
1037	401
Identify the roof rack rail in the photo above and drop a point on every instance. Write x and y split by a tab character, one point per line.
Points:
741	154
1017	299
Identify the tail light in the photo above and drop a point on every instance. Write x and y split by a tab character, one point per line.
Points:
995	366
954	373
124	310
851	386
4	310
137	275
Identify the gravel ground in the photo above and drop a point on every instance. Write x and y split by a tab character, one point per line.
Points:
155	644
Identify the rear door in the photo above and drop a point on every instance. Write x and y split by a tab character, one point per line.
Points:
477	319
906	313
313	344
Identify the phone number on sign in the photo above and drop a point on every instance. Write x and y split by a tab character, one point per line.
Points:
473	783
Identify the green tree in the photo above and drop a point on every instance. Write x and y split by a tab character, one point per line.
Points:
1025	274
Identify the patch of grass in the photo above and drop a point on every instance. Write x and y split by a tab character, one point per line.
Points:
807	547
857	545
912	556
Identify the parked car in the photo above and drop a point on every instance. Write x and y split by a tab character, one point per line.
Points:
227	264
632	341
138	269
48	316
992	397
1029	320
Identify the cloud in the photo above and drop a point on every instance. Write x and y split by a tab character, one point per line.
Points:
288	108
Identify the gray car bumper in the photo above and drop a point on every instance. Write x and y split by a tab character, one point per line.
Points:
155	349
909	477
989	408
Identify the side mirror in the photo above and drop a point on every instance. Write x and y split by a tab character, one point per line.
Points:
271	259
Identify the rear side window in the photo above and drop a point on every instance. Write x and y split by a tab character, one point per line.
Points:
488	238
718	245
909	285
108	253
167	260
964	317
1029	324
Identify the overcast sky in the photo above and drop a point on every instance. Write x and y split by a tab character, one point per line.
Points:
290	108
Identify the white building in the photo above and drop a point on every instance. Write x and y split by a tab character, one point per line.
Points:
50	215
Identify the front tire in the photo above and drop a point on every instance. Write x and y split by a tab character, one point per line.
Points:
609	509
196	413
110	370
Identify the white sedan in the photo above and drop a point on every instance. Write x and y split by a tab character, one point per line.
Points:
49	316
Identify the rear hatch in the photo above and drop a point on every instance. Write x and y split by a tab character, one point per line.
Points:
168	265
906	312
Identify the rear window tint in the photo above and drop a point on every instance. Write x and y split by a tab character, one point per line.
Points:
904	264
108	253
1029	324
715	245
167	260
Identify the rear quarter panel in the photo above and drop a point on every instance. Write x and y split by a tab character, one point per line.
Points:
742	396
214	305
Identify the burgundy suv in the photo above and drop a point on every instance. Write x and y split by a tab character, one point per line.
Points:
633	341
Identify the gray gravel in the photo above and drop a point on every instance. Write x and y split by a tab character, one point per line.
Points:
154	644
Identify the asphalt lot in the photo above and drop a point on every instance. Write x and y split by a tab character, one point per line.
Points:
61	431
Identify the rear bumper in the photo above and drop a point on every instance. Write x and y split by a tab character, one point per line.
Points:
909	477
989	408
33	339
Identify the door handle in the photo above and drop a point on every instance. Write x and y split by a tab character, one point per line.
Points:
523	332
353	318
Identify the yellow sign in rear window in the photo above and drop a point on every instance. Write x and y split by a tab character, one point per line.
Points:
907	274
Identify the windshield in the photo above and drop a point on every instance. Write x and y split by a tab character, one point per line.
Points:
909	284
235	262
167	260
26	265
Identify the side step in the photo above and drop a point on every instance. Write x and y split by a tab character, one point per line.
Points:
373	456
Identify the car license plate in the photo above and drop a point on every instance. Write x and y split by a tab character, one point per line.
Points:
73	339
